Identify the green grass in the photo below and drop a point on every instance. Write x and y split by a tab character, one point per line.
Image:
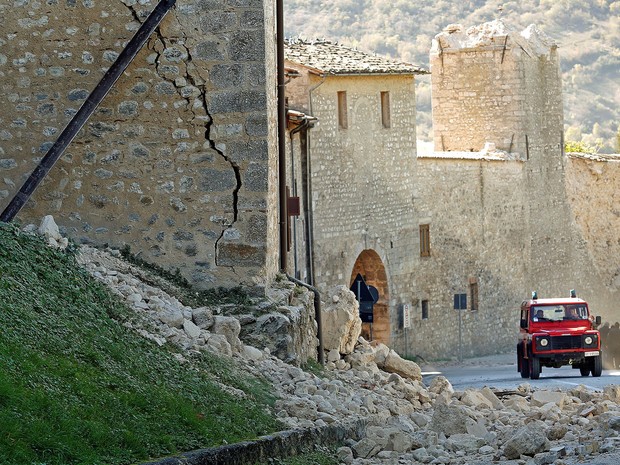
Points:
314	367
77	387
182	289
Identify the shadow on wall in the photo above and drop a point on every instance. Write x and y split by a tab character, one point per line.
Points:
610	345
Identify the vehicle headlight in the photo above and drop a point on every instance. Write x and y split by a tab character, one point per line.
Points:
543	343
590	340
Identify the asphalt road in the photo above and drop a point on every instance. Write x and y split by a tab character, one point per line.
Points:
500	371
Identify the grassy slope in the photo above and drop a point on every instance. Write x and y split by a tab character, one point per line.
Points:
77	387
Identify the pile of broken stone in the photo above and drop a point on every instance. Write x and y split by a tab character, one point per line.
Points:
409	419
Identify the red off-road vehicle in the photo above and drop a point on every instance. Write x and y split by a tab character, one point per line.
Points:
557	332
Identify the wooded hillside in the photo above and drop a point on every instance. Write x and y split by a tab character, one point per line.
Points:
587	32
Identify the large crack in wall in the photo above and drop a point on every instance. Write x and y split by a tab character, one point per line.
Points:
213	146
195	96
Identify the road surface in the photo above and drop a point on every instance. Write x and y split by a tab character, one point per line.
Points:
500	371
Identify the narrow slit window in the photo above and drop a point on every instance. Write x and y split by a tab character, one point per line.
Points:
425	309
385	110
343	121
473	293
425	240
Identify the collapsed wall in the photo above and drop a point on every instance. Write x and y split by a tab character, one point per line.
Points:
178	160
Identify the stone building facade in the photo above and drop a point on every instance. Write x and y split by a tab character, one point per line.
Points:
360	159
494	192
179	160
494	212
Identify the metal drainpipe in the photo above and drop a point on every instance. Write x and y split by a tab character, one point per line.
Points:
317	315
294	131
310	225
281	134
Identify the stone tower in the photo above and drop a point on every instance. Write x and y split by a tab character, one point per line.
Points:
494	85
499	90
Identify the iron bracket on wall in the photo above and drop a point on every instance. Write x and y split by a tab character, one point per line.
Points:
87	109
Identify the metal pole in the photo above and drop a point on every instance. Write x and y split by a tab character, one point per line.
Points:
281	135
460	336
406	344
87	109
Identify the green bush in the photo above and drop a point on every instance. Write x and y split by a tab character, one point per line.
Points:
579	147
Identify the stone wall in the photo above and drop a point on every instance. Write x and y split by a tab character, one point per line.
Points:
592	189
511	219
476	215
498	169
504	229
178	162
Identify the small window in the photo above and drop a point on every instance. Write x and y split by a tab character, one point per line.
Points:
473	293
425	241
425	309
343	122
385	109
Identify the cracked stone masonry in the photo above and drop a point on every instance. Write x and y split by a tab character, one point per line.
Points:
176	160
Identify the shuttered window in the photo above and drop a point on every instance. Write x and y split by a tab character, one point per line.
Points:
473	293
425	309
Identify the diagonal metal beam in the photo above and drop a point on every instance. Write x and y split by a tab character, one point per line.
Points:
87	109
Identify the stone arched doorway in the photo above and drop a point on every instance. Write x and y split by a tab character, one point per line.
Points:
370	266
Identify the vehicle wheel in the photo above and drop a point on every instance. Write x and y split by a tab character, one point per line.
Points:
534	368
525	368
584	370
597	366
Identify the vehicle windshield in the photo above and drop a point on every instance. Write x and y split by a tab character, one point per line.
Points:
559	312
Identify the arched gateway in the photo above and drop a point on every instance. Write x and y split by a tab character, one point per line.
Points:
370	266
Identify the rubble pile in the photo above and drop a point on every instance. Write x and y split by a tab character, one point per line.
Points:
409	419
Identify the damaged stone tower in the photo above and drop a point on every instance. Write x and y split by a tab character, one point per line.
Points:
494	85
497	89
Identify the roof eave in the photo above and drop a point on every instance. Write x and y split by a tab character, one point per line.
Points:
376	73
